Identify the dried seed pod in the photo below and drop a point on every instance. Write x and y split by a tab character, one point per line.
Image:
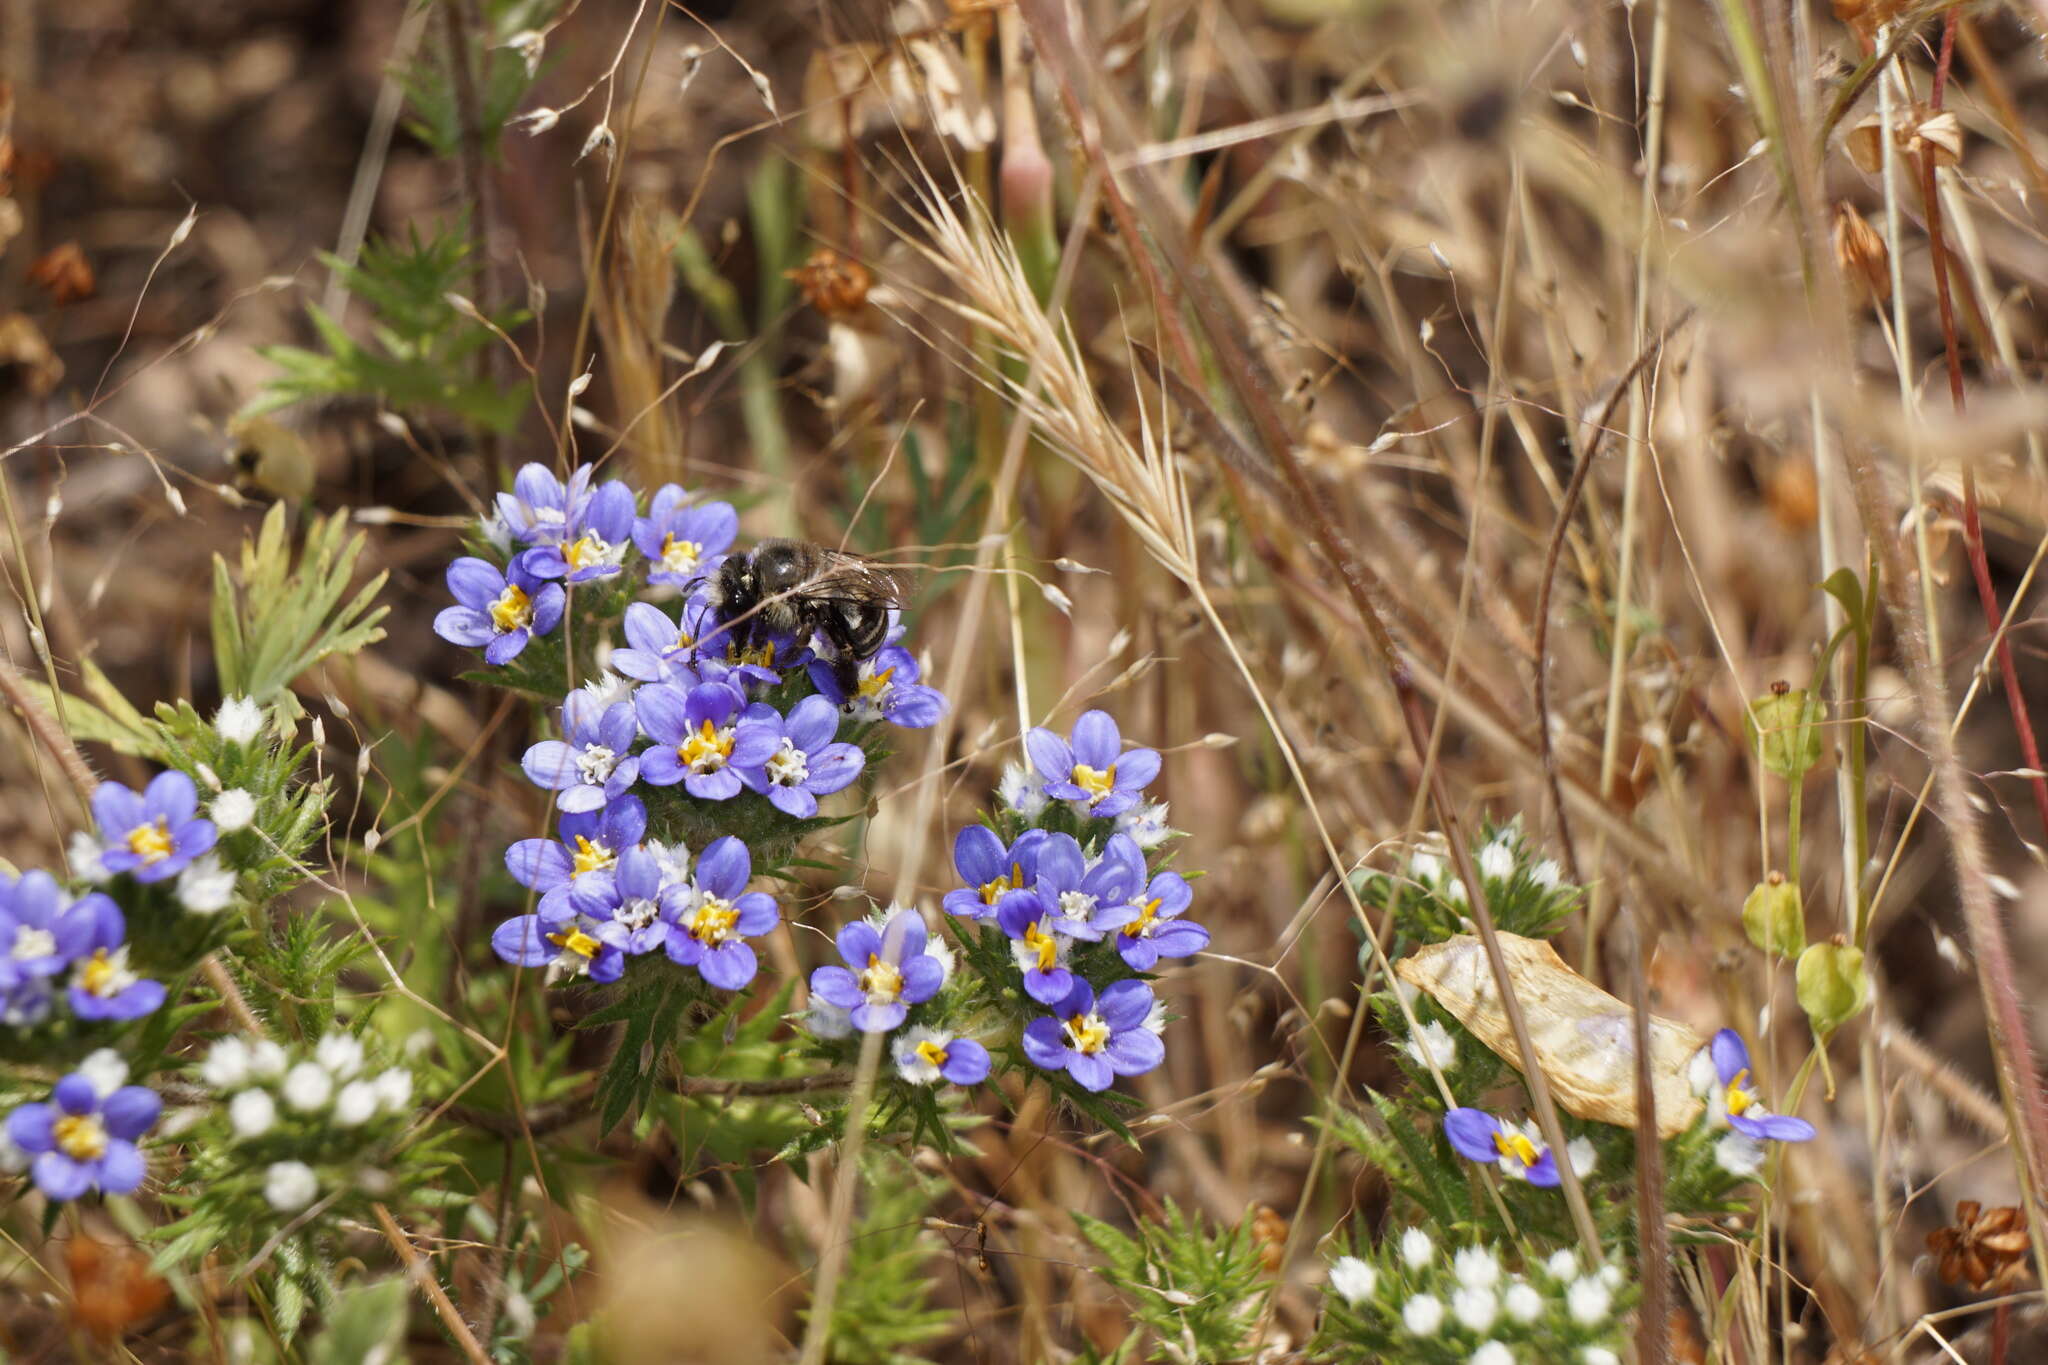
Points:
1584	1037
837	286
1983	1249
1914	131
1269	1234
1861	253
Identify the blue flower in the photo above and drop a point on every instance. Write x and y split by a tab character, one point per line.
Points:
991	871
591	764
499	611
710	919
39	934
102	986
806	763
566	947
700	739
1084	901
925	1056
1157	930
83	1140
886	972
1038	947
887	689
658	650
1097	1041
683	540
154	835
1478	1136
594	542
1734	1099
625	901
1090	772
540	506
591	843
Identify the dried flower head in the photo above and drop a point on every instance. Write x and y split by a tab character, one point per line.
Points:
1985	1249
1861	254
1269	1234
1915	132
837	286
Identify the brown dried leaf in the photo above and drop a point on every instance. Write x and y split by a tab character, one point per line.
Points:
1584	1037
24	352
64	272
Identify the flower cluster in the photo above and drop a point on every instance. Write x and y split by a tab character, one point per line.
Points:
305	1118
704	730
56	946
892	967
1061	892
83	1138
1406	1300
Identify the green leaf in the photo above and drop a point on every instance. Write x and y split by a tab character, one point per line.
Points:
283	618
368	1323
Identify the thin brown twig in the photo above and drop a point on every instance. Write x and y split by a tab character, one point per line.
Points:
423	1277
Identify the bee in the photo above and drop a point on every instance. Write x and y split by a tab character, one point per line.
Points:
798	589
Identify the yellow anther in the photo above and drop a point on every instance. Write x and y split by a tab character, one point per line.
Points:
708	746
881	981
1147	912
1087	1033
99	975
81	1137
680	556
1045	945
1096	784
512	610
577	942
713	921
875	685
932	1052
590	857
1510	1143
587	550
151	843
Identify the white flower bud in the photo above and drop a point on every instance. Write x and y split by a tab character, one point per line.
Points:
1588	1301
1562	1265
1497	862
239	720
1353	1280
1476	1268
290	1185
1598	1355
341	1054
105	1070
355	1103
1423	1314
394	1089
206	886
1434	1041
233	809
1475	1308
227	1064
251	1113
1492	1353
266	1059
1416	1248
1523	1303
307	1086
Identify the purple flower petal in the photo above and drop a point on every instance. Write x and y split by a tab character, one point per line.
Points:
1136	768
60	1178
475	583
1731	1057
729	966
1471	1133
121	1169
523	942
966	1062
1049	754
1090	1072
132	1111
30	1127
836	986
1046	1044
1133	1052
465	626
1125	1005
858	941
1096	741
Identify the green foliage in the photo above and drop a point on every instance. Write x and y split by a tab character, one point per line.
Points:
510	62
883	1312
424	336
1199	1289
1784	728
272	620
368	1323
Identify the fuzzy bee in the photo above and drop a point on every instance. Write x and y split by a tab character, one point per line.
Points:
797	589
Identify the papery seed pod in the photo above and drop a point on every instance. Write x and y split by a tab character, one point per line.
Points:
1983	1250
1269	1235
1861	253
837	286
1772	917
1584	1037
1833	987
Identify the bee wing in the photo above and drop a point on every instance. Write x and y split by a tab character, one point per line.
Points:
842	577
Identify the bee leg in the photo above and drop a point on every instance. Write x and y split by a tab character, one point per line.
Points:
845	655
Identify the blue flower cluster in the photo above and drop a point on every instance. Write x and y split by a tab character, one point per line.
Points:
83	1138
1062	880
51	940
683	706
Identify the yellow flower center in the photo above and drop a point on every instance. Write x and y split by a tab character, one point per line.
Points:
587	550
590	857
761	655
1096	784
713	921
151	843
991	892
1510	1143
576	941
932	1052
874	685
513	609
1045	945
881	982
706	750
1147	912
99	975
1087	1033
680	556
81	1137
1740	1097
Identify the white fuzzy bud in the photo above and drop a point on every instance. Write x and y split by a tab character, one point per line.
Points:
307	1086
290	1185
251	1113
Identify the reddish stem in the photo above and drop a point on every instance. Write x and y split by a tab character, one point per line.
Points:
1973	528
2001	1332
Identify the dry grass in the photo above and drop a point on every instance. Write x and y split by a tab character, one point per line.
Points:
1365	321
